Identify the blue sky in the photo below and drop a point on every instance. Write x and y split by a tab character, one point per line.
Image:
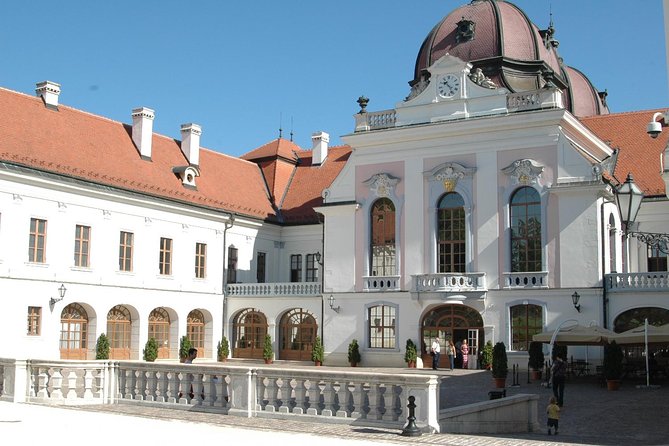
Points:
243	69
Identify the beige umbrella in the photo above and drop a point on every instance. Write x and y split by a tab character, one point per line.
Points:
638	335
576	335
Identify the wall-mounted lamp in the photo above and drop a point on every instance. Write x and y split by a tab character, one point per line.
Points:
318	257
61	292
331	301
575	298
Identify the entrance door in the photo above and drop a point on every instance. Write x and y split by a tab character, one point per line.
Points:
118	331
453	322
250	328
298	332
73	332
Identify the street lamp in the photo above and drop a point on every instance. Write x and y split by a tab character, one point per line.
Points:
629	197
61	293
574	299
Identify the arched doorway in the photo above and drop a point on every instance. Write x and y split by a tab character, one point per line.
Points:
159	329
249	330
118	332
658	354
298	329
195	332
453	322
73	332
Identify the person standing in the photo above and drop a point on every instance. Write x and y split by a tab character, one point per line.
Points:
464	348
436	352
451	353
553	411
558	376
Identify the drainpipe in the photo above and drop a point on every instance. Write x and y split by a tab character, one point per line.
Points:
605	236
321	220
228	224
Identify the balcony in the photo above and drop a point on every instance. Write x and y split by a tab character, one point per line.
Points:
276	289
380	283
527	280
653	281
449	282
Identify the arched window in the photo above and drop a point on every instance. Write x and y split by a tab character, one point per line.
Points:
195	331
526	245
73	332
159	329
526	321
298	331
249	329
451	234
118	332
381	326
382	249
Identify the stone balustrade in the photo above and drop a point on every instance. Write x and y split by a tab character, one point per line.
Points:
375	120
652	281
449	282
537	279
381	283
274	289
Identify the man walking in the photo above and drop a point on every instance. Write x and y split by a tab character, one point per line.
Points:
435	352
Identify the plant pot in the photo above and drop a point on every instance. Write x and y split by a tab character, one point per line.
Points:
613	384
500	383
535	375
317	363
354	364
412	364
268	361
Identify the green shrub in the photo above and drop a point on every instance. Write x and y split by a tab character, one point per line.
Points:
184	346
613	361
354	352
267	351
500	367
102	347
223	349
536	355
486	355
151	350
411	352
318	352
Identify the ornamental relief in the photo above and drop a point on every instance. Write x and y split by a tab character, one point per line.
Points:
382	184
450	173
526	172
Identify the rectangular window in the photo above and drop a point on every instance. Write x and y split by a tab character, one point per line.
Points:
82	245
232	265
200	260
657	259
312	268
34	321
37	244
165	261
381	327
125	251
260	267
296	268
526	321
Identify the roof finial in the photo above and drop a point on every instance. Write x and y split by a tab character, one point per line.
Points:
291	129
280	124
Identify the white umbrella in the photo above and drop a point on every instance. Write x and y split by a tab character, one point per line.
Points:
576	335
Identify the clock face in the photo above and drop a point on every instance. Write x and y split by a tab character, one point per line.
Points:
448	86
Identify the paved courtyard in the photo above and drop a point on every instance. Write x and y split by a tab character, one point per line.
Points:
592	415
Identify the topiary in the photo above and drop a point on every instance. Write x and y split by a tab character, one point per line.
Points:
267	351
536	352
102	347
223	349
613	361
317	352
151	350
486	355
411	353
354	352
184	346
500	367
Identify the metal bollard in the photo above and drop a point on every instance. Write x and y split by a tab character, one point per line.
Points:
411	430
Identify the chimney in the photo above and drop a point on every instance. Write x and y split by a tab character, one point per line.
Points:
142	130
319	142
49	92
190	142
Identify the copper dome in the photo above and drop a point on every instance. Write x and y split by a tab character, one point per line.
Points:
499	38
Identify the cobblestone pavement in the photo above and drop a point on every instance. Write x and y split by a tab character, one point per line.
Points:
591	415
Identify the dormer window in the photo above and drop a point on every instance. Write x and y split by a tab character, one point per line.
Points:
187	174
465	30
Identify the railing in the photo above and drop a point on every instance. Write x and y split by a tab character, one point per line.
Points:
381	283
653	281
323	394
274	289
449	282
526	280
375	120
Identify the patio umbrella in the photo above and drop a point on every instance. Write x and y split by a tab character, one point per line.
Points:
645	334
576	335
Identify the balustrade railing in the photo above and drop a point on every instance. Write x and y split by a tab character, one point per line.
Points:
375	120
526	280
274	289
449	282
381	283
652	281
324	394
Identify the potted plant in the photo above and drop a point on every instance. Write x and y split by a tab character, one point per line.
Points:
184	346
411	354
151	350
354	353
486	356
223	350
613	365
500	367
102	347
536	361
267	351
317	352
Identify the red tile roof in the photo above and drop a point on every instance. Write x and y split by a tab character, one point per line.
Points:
639	154
81	145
